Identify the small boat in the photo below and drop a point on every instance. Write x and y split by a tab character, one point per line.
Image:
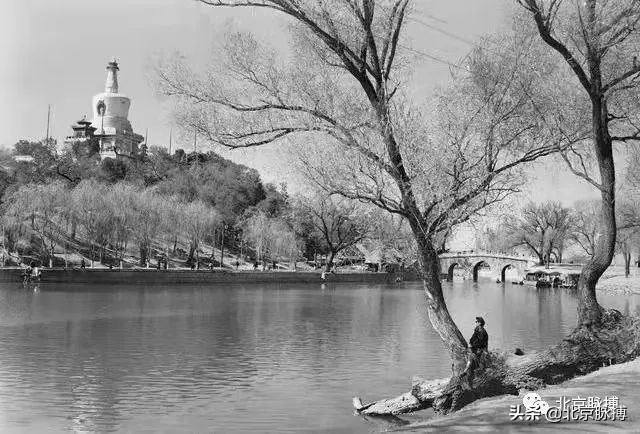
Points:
554	276
537	278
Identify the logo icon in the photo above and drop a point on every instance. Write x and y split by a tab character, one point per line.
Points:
534	403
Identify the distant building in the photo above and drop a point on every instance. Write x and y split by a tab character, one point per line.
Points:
23	158
83	141
110	131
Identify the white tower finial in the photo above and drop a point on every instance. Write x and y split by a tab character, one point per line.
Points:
111	86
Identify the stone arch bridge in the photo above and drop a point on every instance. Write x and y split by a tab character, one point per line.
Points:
471	261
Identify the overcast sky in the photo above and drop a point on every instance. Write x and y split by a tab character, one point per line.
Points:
55	52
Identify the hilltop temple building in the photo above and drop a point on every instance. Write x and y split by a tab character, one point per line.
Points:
109	131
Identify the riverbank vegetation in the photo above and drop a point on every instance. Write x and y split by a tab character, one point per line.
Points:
156	209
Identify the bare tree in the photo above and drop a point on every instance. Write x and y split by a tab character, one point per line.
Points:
340	222
344	89
147	207
493	237
628	219
598	40
171	215
629	214
41	209
633	171
585	230
256	231
625	240
92	211
393	232
198	220
281	240
121	203
541	228
271	237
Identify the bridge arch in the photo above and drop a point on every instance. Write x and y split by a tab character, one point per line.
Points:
503	272
469	264
450	271
476	267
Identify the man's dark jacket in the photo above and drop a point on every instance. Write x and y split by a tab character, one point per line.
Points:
479	340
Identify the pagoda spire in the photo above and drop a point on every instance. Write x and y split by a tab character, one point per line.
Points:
111	86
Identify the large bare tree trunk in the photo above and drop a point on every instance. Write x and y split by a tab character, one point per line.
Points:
439	316
332	255
615	340
539	253
589	311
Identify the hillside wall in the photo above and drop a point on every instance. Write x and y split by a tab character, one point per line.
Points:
164	277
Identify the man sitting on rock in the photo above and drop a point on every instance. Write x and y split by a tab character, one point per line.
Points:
479	344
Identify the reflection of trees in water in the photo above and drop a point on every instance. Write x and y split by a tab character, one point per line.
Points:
99	359
550	314
626	308
323	332
58	375
94	391
102	362
531	318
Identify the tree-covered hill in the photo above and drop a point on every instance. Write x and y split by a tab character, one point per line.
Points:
183	209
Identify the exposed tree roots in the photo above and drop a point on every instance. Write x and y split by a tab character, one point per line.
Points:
615	340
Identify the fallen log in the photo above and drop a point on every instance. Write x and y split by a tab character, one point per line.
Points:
404	403
615	340
421	396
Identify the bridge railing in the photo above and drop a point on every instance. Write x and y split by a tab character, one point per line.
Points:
480	253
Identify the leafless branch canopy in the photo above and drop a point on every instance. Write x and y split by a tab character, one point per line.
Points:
436	164
598	41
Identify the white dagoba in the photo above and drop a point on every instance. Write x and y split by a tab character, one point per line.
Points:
110	112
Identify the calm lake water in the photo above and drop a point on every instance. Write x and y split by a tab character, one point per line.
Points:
244	358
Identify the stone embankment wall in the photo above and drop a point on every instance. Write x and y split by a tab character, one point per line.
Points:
152	276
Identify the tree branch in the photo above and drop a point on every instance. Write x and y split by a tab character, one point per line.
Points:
544	23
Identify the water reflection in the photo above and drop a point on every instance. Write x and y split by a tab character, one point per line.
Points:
264	358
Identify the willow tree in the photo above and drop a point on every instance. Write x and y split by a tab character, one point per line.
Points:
343	94
598	42
90	202
148	208
256	230
198	219
40	208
